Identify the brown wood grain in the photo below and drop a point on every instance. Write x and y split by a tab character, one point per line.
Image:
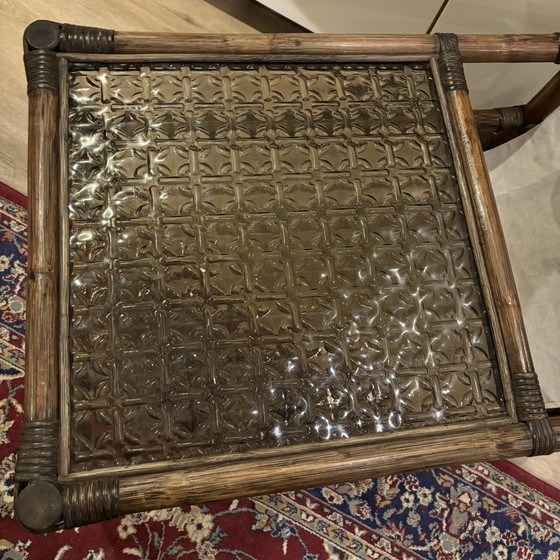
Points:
487	120
371	441
41	394
543	103
474	48
328	466
528	397
491	233
496	126
509	48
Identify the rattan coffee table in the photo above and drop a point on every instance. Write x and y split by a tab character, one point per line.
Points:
260	263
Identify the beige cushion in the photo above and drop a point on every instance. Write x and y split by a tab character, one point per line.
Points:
525	174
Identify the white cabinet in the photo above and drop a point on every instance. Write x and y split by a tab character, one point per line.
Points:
491	85
358	16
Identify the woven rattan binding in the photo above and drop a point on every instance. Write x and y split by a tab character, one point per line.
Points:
77	38
511	118
41	68
38	452
450	65
90	502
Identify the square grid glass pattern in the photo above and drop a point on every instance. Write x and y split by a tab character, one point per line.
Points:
263	255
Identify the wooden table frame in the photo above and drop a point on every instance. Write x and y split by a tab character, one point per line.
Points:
46	499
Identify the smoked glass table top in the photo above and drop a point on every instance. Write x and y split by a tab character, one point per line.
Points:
263	255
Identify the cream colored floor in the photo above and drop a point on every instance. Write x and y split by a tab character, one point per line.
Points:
189	16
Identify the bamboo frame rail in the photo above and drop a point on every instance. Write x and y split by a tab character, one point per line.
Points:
473	48
37	463
139	493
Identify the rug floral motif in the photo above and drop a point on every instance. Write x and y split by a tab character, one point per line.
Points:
482	511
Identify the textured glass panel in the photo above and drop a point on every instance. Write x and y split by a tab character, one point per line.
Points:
264	255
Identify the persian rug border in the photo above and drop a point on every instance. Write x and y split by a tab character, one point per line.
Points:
12	195
528	479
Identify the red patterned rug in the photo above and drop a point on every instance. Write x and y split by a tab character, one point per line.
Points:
483	511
